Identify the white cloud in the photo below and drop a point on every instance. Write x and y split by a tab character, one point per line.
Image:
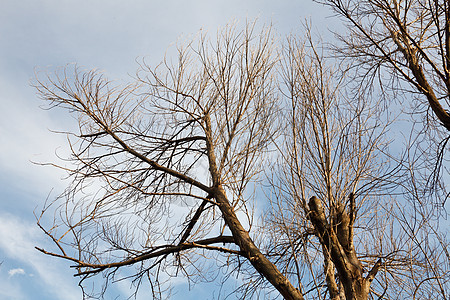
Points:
17	241
17	271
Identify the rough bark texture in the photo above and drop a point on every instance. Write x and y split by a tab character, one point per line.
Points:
338	242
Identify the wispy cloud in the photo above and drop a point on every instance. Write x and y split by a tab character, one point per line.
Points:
17	271
17	241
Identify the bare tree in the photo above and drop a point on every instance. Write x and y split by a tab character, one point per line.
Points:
331	157
405	44
366	232
171	156
409	37
161	172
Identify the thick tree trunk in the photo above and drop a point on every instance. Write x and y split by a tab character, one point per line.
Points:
254	255
337	241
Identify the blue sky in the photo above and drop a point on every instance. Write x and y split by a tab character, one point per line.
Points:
105	34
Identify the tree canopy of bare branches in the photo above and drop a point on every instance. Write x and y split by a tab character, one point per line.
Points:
173	154
344	224
405	44
162	170
409	37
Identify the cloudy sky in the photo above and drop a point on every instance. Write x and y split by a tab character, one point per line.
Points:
108	35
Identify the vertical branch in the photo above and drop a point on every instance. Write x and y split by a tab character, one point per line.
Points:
332	285
352	218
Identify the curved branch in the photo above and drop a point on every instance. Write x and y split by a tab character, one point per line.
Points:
167	249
